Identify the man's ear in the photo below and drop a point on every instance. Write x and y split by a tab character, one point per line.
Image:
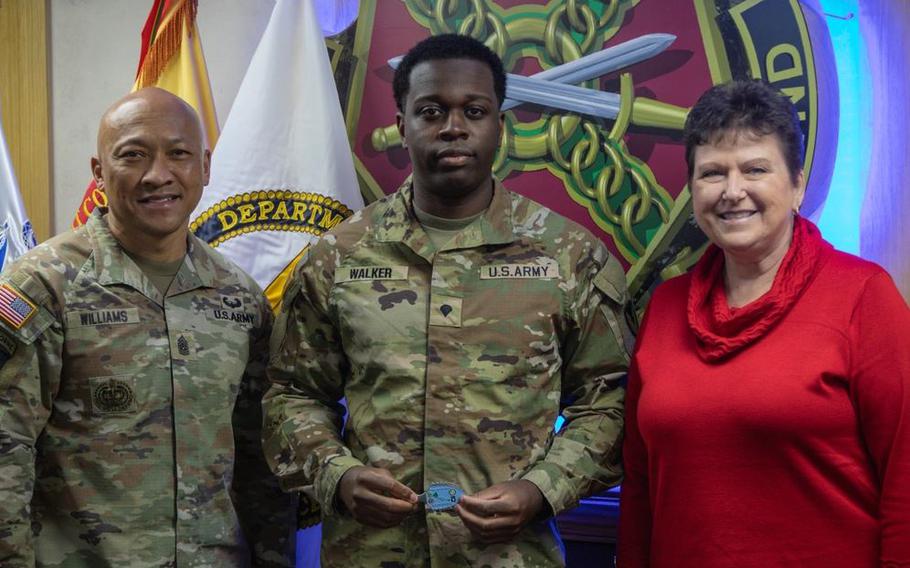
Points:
206	166
399	122
97	172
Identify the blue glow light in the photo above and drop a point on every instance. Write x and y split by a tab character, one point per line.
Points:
840	218
559	422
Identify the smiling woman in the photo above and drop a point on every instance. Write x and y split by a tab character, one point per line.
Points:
777	364
745	171
744	199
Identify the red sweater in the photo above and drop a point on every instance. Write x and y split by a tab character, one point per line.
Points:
794	451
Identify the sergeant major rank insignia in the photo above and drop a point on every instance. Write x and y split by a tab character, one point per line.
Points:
183	346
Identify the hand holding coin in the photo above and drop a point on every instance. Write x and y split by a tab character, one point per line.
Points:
373	497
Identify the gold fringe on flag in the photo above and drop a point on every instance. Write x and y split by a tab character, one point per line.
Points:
166	41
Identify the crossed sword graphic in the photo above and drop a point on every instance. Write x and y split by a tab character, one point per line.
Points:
556	87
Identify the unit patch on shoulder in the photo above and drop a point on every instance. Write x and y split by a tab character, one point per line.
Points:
15	308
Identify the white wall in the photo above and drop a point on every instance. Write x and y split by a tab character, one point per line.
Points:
94	50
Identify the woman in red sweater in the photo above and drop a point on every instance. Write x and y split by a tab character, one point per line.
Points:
768	406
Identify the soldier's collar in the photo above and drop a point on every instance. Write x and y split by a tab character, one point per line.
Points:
398	223
114	266
199	271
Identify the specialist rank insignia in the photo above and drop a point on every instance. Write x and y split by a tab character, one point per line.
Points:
441	496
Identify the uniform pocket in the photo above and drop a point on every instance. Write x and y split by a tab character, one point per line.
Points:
616	309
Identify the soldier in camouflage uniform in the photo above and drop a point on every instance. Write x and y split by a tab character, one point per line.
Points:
130	404
458	320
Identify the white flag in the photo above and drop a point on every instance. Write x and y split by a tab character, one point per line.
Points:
16	234
282	173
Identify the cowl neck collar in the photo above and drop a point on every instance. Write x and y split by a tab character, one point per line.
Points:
722	331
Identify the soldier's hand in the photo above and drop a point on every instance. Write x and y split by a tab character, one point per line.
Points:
373	497
499	512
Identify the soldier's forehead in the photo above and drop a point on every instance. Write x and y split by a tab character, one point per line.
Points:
166	116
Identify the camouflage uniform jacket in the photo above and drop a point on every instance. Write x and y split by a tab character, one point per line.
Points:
455	365
129	421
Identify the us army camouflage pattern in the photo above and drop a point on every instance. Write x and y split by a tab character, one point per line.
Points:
455	365
116	409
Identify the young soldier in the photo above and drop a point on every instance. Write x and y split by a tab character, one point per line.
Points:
459	320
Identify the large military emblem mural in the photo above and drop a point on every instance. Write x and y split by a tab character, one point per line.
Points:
597	96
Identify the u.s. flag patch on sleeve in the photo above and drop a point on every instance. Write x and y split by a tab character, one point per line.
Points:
15	309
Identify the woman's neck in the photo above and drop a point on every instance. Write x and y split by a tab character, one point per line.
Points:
746	280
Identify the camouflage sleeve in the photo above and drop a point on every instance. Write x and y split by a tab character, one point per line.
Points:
584	457
307	369
30	364
267	514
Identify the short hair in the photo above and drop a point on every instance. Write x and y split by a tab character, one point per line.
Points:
447	46
745	106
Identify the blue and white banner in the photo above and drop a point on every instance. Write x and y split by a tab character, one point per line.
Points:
16	234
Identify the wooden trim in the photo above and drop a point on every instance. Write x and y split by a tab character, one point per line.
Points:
24	102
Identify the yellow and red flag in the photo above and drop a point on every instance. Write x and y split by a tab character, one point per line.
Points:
170	58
